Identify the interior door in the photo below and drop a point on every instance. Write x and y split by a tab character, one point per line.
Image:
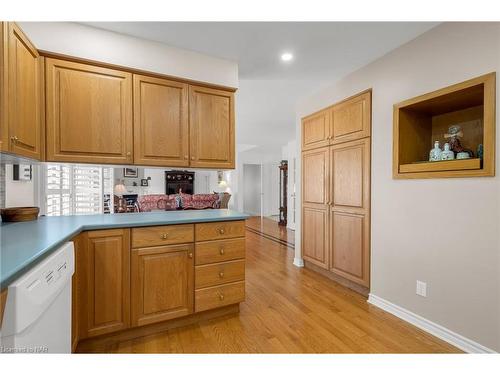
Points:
89	113
24	95
161	129
350	211
162	283
211	122
315	205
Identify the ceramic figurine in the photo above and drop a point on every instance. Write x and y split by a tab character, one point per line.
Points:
454	134
435	153
463	155
447	154
480	151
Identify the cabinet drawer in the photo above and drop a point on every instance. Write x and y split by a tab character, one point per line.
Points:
219	251
219	273
162	235
217	296
220	230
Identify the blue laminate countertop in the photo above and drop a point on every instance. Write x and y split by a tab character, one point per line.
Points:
22	245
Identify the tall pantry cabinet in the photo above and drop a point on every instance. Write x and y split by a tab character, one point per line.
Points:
336	159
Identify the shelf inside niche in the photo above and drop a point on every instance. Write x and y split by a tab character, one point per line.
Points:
420	121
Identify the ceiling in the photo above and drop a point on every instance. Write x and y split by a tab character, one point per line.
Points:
323	53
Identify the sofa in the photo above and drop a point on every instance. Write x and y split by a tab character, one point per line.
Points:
181	201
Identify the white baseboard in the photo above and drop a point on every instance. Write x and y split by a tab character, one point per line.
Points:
298	262
441	332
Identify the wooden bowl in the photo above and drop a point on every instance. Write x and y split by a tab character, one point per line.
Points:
14	214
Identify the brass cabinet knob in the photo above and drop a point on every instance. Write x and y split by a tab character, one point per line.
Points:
221	296
221	231
221	251
129	153
186	157
221	274
192	158
190	255
164	236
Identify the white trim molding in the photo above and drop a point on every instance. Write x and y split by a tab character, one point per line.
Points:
298	262
434	329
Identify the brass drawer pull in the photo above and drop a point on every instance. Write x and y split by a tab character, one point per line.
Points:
190	255
164	236
221	296
221	274
221	251
221	230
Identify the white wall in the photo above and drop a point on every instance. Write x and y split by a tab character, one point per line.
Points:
445	232
101	45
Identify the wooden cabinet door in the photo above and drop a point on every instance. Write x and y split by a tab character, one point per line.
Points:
22	94
162	283
108	281
315	205
350	211
351	119
211	121
161	127
316	130
89	113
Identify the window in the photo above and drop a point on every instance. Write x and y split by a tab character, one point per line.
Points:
76	189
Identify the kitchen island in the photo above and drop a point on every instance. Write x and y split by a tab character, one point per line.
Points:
138	273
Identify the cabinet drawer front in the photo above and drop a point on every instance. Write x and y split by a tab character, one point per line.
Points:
220	230
162	235
219	251
217	296
219	273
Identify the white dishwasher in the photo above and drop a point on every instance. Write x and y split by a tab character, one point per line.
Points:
37	316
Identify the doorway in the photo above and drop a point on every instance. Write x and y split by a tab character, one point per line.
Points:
252	189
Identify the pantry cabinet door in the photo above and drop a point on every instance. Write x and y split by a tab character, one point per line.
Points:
22	87
161	127
351	119
162	283
89	113
350	211
316	130
211	121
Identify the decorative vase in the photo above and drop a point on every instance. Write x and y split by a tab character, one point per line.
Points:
435	153
447	154
463	155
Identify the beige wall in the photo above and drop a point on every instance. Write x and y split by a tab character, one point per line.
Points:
445	232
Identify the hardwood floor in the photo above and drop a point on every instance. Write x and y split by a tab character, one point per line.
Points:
270	229
290	310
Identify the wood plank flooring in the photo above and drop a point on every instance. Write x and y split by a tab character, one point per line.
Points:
271	230
290	310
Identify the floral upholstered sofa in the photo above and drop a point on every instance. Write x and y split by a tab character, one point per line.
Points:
156	202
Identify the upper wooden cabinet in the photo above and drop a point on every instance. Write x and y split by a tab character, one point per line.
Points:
316	130
20	94
161	129
211	121
89	113
351	119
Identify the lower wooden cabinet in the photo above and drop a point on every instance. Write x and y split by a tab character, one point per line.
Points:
315	230
162	283
128	278
106	302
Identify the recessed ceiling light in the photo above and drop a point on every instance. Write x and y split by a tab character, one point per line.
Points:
287	56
